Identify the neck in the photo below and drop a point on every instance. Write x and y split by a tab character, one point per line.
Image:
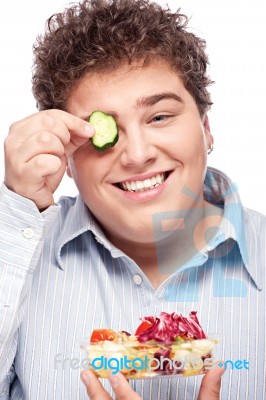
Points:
177	241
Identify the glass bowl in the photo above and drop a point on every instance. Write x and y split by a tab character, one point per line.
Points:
150	359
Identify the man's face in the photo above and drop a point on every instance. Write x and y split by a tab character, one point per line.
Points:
161	149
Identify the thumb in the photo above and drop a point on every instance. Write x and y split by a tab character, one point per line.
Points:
211	383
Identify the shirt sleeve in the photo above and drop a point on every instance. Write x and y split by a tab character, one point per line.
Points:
22	232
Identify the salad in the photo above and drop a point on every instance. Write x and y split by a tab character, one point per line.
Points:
169	344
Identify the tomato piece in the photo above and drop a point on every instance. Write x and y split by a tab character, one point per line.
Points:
102	334
143	327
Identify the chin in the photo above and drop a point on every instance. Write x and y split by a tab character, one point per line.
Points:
137	235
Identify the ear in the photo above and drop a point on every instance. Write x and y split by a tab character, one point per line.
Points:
207	130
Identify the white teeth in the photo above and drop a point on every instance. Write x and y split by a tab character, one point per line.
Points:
159	178
139	185
133	185
153	180
147	184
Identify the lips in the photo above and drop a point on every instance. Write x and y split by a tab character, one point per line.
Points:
144	184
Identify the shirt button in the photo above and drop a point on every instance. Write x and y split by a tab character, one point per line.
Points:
137	279
28	233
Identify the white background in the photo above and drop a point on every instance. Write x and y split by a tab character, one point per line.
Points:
236	36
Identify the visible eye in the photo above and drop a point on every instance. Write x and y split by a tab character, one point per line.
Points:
160	118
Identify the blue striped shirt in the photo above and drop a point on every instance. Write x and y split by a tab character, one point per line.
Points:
60	277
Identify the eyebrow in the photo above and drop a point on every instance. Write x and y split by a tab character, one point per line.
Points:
155	98
149	101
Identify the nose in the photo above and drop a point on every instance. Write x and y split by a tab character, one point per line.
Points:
138	149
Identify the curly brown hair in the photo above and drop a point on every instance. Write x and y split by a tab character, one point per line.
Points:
100	35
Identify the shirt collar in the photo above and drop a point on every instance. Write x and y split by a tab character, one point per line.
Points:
218	190
221	191
79	220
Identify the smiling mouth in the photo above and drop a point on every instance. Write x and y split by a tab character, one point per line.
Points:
144	185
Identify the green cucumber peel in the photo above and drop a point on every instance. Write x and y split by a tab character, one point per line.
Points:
106	130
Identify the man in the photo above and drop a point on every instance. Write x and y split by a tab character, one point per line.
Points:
128	246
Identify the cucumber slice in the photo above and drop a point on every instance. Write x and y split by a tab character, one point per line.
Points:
106	130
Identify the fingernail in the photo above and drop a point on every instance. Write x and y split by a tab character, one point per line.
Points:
114	380
85	378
